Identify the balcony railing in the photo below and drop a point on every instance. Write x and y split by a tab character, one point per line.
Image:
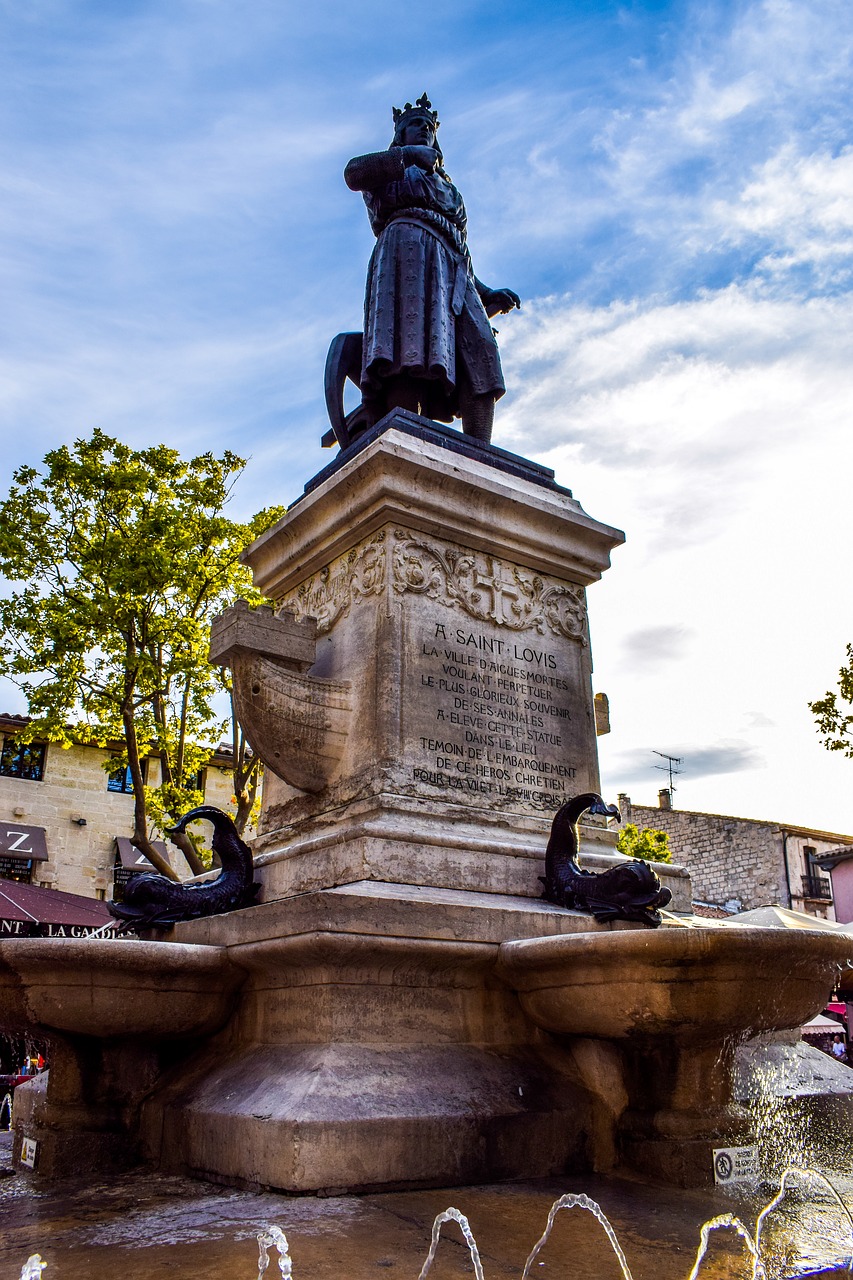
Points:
817	887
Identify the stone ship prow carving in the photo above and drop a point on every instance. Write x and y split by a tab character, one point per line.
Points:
297	723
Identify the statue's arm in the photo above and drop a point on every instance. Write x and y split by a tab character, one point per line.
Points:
496	301
368	173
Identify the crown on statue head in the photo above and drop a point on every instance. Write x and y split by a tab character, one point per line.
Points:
423	107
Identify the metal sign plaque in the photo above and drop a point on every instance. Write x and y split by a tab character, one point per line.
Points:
29	1147
735	1164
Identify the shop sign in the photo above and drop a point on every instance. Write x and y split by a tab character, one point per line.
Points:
17	928
32	929
735	1164
12	867
71	930
17	840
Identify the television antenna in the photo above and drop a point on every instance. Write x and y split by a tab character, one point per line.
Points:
670	767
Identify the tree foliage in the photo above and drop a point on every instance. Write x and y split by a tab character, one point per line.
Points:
650	845
832	721
126	556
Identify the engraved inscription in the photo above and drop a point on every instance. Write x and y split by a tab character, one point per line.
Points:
495	717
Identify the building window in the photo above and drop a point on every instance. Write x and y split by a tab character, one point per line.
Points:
122	781
816	885
23	760
20	869
817	888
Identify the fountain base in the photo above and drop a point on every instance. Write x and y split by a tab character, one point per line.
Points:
403	1008
382	1035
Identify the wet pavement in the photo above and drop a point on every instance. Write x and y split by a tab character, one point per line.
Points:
145	1225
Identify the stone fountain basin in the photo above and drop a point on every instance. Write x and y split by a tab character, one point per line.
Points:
115	987
697	984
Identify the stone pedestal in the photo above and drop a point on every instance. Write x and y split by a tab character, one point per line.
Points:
374	1045
448	583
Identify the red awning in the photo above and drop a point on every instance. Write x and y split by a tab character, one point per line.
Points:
837	1008
47	912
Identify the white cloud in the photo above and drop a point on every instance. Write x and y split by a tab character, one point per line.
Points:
656	646
725	386
717	433
690	761
801	207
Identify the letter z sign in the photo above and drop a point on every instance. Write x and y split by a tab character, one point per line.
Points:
17	841
22	841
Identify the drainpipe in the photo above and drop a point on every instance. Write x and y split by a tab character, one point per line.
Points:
787	872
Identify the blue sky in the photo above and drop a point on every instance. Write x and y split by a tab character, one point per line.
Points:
669	186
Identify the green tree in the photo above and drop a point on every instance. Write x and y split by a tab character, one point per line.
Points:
649	844
832	721
126	556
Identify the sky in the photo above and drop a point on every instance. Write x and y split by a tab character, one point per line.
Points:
667	185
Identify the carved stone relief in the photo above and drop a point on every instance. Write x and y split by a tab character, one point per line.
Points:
329	594
485	587
488	588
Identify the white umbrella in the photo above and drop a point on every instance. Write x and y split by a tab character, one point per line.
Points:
822	1026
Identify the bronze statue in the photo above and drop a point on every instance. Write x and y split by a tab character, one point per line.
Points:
150	900
428	345
630	891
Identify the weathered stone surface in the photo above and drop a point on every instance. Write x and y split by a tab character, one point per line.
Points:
371	908
418	843
299	724
686	984
378	1020
332	1116
399	478
670	1007
114	987
450	593
471	676
285	639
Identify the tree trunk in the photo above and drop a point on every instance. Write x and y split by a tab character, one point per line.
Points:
188	849
140	839
246	773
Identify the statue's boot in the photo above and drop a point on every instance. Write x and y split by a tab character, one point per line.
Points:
478	416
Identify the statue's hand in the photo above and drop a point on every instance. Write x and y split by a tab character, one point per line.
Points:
425	158
499	301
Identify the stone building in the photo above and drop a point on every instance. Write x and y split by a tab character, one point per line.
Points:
741	863
65	823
